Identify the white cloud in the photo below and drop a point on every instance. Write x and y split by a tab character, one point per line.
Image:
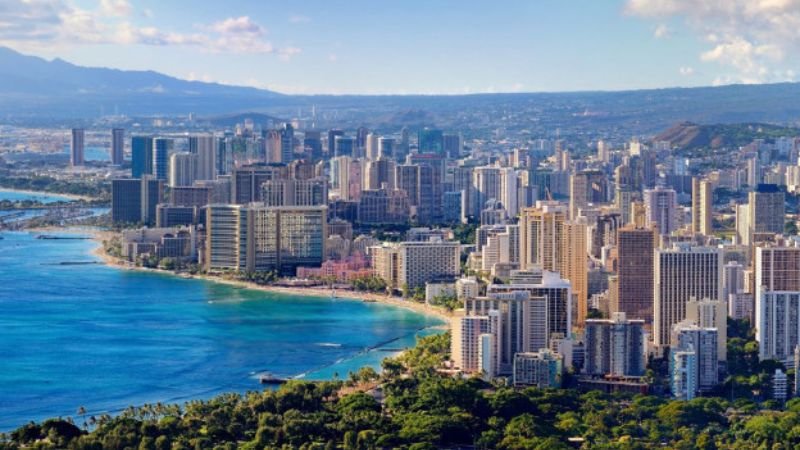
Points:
686	71
48	24
332	57
116	8
298	18
662	31
238	25
751	38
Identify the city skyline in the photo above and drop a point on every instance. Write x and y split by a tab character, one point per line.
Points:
414	48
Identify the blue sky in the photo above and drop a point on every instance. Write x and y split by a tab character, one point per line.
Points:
433	46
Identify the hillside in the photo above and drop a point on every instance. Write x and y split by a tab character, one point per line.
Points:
689	135
34	86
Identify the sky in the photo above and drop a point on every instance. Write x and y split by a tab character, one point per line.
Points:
420	46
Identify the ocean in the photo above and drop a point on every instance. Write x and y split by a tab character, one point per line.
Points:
104	338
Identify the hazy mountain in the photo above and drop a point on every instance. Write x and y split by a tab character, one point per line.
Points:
32	85
35	90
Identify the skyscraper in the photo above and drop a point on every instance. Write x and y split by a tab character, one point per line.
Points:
634	295
134	200
767	208
76	147
182	169
117	146
586	187
205	147
661	209
550	285
777	301
162	147
262	238
702	207
614	347
141	156
430	141
287	143
681	273
521	323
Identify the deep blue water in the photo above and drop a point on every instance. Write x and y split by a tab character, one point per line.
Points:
105	338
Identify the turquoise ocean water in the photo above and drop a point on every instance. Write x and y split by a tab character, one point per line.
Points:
105	338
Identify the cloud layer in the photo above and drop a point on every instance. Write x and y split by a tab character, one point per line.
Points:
47	24
755	40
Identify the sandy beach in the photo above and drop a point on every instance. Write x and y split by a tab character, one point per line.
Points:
441	313
60	194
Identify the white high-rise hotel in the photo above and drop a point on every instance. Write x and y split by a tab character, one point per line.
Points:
777	302
681	273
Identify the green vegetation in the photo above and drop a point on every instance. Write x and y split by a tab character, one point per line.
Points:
415	407
465	233
98	190
450	302
749	379
369	283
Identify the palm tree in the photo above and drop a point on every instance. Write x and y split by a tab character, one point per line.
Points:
82	413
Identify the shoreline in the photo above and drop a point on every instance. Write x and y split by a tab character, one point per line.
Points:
421	308
59	194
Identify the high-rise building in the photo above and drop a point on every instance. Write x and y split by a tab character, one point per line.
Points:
614	347
117	146
162	147
76	148
409	265
634	294
518	321
332	134
343	146
541	369
380	173
386	147
292	192
541	235
141	156
777	296
452	145
287	143
466	343
261	238
549	241
681	273
707	313
205	147
372	150
430	141
702	207
550	285
704	342
661	209
383	207
587	187
492	184
312	144
683	374
430	190
767	208
246	181
574	267
182	169
134	200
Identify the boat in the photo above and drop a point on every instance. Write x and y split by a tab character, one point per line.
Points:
369	300
269	378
